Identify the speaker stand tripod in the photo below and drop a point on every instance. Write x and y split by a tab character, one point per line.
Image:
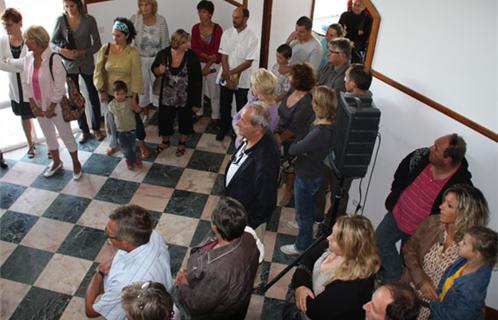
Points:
324	233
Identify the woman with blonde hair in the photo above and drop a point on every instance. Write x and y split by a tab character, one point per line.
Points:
181	87
264	89
434	245
152	36
44	86
336	278
310	170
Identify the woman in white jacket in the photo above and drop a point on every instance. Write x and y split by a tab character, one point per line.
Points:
12	52
44	86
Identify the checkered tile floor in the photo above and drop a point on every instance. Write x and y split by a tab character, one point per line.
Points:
52	234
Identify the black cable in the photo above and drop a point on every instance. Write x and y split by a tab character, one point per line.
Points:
373	167
358	206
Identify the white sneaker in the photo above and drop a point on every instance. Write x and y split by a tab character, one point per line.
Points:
292	224
290	250
146	120
50	172
77	176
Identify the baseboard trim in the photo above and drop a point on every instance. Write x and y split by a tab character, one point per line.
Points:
490	313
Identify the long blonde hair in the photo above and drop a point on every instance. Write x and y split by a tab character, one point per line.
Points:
355	237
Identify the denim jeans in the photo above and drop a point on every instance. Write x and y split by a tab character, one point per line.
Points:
304	191
388	234
128	143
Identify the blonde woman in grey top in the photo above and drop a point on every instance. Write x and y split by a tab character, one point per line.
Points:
76	38
152	36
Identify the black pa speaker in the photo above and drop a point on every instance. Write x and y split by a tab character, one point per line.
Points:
357	125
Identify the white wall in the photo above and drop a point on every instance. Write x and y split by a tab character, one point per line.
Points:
453	61
284	16
178	14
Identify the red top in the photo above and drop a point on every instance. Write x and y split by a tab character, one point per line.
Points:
415	203
200	46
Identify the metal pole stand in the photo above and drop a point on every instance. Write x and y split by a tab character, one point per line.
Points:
326	230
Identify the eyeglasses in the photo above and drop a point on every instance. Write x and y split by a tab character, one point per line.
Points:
106	233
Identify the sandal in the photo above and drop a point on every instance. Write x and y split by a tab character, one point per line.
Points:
31	152
180	151
164	145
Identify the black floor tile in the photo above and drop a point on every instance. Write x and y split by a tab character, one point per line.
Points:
206	161
9	193
202	232
219	185
163	175
15	225
117	191
55	183
272	225
278	256
100	164
272	309
25	264
83	242
176	254
67	208
86	281
41	304
188	204
90	145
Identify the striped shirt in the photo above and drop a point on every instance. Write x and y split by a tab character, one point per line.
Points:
149	262
415	203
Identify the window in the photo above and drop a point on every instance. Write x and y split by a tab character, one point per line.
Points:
34	12
327	12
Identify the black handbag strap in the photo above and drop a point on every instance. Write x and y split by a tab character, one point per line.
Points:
51	63
70	37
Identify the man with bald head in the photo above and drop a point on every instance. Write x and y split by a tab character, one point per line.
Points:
417	192
239	49
393	301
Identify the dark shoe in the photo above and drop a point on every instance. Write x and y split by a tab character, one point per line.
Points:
138	162
180	151
162	146
31	152
220	135
3	164
84	138
99	135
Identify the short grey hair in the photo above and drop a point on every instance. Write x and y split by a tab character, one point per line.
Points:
260	117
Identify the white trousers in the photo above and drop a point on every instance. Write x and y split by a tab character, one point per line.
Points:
212	91
48	127
148	78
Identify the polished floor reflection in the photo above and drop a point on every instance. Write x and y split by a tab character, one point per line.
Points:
52	237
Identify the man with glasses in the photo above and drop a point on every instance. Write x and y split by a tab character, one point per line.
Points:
333	73
141	255
251	176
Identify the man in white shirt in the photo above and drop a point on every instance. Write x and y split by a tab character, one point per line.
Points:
305	47
239	48
142	256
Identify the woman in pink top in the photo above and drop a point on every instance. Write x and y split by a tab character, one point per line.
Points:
206	38
45	86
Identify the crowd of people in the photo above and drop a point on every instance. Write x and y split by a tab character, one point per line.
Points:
283	129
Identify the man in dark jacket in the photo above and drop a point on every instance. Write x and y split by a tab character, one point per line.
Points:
252	173
220	272
417	192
